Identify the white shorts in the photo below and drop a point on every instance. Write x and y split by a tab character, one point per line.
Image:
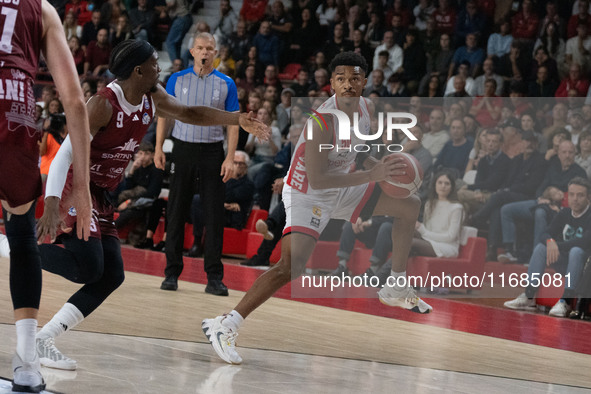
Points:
309	213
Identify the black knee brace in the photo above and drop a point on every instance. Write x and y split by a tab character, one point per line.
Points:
25	262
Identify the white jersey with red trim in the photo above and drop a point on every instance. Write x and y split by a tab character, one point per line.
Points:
342	155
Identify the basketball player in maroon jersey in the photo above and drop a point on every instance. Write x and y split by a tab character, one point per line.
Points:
320	186
28	28
119	117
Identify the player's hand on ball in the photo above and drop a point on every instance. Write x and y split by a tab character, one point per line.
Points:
390	166
250	123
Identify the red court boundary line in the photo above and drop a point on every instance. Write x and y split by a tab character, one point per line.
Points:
531	328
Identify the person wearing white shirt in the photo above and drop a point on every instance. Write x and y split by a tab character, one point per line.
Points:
395	52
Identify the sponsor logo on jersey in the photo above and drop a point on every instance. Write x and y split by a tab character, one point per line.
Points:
146	103
146	119
317	211
135	117
130	145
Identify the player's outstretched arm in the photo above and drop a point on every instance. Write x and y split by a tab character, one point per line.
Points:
62	68
168	107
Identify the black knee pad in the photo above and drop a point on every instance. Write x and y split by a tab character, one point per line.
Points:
25	262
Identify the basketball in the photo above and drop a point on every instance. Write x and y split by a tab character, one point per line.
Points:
403	186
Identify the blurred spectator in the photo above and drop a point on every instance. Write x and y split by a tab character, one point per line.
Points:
526	23
553	17
81	10
417	149
177	65
375	30
318	63
77	53
422	12
525	175
461	83
122	32
561	171
326	13
554	44
71	27
491	173
111	10
542	58
141	19
263	151
431	39
516	65
578	48
470	53
360	47
564	246
554	141
414	62
581	17
469	20
487	108
238	41
438	63
436	137
433	88
489	73
376	84
271	77
142	187
445	18
499	44
98	54
478	152
252	12
304	35
282	26
583	157
575	80
321	81
398	30
224	62
543	86
396	87
511	130
399	10
396	54
251	59
178	11
575	125
302	84
283	110
455	152
90	29
559	114
338	43
226	26
267	45
237	204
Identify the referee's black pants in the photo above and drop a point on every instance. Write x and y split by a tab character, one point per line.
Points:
192	161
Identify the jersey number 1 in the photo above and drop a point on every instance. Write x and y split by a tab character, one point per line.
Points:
8	29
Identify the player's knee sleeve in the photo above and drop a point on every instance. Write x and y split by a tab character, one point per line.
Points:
25	262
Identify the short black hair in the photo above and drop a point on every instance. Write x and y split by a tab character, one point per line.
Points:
348	59
127	55
580	181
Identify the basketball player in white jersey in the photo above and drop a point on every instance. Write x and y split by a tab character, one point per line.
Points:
319	187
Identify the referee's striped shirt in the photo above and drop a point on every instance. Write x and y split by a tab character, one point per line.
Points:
213	90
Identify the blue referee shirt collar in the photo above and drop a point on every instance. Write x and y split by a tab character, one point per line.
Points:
207	75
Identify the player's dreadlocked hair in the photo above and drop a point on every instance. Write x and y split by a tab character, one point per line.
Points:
127	55
348	59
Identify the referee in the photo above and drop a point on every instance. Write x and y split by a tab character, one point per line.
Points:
198	154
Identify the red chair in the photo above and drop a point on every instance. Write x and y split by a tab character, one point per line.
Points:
290	72
470	261
235	241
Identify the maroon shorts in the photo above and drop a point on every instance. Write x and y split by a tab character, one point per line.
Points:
102	223
20	181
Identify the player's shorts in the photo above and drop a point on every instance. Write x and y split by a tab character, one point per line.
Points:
309	213
102	222
20	181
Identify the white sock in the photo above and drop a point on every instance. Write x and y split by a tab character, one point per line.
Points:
65	319
399	283
4	246
343	263
25	339
233	320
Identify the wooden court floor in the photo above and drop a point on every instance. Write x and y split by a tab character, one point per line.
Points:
140	309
